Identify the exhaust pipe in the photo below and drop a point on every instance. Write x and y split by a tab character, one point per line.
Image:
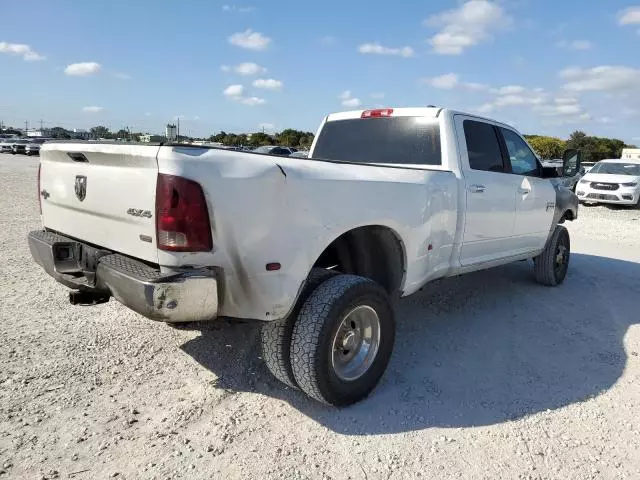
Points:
88	298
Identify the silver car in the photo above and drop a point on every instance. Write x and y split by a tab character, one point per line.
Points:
33	148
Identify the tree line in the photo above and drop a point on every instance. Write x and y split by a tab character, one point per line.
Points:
288	137
593	149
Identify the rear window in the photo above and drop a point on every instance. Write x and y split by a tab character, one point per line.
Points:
399	140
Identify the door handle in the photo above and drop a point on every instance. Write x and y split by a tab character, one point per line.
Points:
524	191
477	188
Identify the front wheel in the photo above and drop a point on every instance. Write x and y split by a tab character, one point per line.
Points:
342	340
551	265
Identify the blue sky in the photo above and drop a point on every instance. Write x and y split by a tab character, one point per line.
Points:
547	67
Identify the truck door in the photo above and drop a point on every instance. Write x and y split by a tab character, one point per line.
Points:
535	196
490	193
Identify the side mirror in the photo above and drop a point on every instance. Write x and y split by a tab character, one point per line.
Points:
571	162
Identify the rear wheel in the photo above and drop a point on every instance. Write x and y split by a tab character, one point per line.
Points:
342	340
551	265
275	337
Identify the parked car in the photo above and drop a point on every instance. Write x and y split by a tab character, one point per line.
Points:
33	147
300	154
569	182
274	150
611	181
389	200
19	146
6	145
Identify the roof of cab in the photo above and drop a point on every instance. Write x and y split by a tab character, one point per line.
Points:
430	112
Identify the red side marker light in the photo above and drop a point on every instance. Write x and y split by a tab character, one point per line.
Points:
378	113
273	266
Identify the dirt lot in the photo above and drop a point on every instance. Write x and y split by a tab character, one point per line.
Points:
493	376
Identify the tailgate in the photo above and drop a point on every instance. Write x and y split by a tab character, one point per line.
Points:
101	193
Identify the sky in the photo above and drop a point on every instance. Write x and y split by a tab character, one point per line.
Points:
546	67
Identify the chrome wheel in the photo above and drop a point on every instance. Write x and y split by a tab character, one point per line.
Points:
355	344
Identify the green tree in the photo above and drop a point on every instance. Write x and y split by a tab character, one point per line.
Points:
218	137
260	138
100	132
547	147
61	133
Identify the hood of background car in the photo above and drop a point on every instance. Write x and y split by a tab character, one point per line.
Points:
610	178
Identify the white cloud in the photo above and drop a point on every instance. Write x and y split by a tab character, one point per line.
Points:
250	40
83	69
233	91
486	108
605	78
575	44
245	69
147	114
252	101
27	53
268	84
446	82
451	80
92	109
351	102
122	76
377	95
466	26
345	95
268	127
234	8
513	100
249	68
629	16
377	49
565	100
572	109
508	90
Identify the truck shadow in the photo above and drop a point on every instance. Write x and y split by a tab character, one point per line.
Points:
474	350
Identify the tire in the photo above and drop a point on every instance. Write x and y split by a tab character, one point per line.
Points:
551	265
275	337
318	329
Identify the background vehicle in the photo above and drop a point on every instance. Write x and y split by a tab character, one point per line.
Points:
274	150
19	146
33	147
569	182
611	181
389	200
300	154
6	145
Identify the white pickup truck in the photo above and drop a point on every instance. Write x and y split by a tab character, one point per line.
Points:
317	248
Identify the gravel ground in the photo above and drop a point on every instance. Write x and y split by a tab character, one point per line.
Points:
493	376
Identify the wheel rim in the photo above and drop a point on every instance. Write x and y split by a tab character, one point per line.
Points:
355	343
561	258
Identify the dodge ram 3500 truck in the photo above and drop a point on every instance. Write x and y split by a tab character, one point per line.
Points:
316	248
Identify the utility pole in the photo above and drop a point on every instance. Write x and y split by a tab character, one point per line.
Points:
26	127
41	125
178	139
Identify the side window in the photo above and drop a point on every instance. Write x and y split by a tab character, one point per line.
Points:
523	160
483	147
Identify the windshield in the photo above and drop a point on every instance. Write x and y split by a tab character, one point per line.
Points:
398	140
616	168
264	149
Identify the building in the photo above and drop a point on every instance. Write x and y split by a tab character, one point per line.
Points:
80	134
630	154
171	132
148	137
44	132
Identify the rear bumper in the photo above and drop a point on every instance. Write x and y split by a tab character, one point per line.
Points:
186	296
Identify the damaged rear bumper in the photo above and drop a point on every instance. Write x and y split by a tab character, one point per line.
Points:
185	296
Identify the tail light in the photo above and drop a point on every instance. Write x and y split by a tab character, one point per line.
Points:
379	113
39	194
182	218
